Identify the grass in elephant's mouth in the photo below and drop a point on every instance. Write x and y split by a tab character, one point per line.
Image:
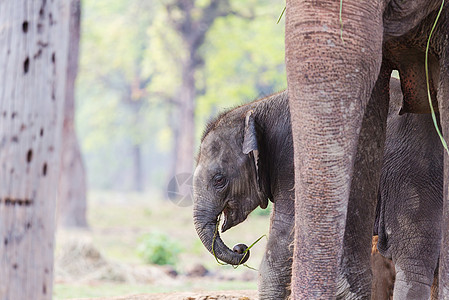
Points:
213	241
246	250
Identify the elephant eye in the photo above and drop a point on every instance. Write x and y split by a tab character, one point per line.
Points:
219	181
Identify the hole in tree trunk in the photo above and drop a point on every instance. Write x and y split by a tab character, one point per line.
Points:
29	156
26	65
25	27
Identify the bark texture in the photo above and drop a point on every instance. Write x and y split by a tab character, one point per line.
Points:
72	200
33	47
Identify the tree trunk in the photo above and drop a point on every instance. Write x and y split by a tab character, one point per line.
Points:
138	181
174	149
186	125
33	47
72	201
192	23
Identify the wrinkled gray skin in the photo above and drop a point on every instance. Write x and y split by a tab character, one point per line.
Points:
226	181
410	205
338	102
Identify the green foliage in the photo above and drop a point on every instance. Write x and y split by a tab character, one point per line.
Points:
126	41
244	60
114	111
158	248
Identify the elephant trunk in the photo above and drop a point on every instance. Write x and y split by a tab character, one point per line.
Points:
207	230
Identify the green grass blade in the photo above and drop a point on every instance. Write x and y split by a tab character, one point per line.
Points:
213	242
248	250
341	22
282	13
428	83
224	264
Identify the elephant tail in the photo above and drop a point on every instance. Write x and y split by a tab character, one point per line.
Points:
379	227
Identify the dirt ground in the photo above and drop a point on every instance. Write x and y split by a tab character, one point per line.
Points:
220	295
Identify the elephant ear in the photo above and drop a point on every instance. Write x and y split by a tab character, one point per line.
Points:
250	147
250	140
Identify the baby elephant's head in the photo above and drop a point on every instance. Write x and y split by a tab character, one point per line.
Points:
226	180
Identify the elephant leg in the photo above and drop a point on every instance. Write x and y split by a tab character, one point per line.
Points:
416	274
404	290
329	85
443	103
415	263
276	267
415	237
354	280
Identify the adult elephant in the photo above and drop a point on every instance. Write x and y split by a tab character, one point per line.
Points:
338	93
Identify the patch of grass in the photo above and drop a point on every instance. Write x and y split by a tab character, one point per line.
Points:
158	248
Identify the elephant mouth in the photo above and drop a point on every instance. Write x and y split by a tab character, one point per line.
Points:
209	233
231	217
226	219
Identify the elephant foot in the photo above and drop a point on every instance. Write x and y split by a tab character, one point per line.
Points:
406	289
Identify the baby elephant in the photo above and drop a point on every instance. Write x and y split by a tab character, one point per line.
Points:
246	159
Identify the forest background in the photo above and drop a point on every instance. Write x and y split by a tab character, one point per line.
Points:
153	72
150	76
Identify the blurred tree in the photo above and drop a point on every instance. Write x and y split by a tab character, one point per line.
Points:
191	20
72	198
244	60
133	86
133	49
34	47
119	44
